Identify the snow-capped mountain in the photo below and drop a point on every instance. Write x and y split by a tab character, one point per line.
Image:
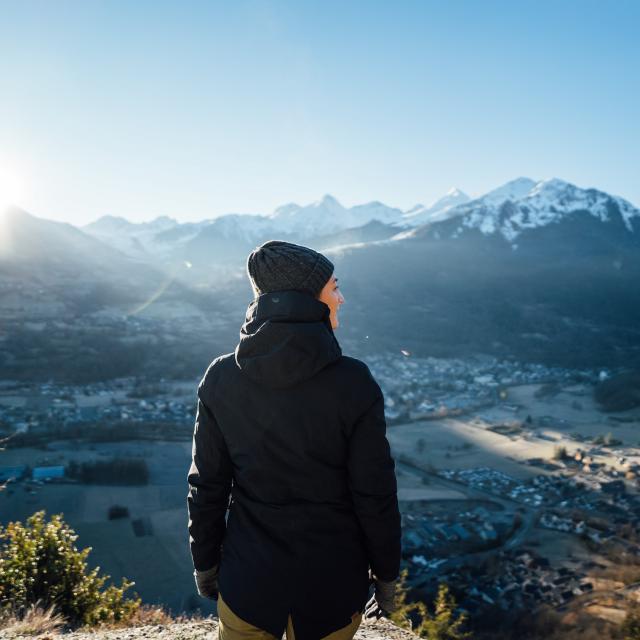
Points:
114	224
327	216
509	211
524	204
165	237
135	239
512	190
225	240
439	210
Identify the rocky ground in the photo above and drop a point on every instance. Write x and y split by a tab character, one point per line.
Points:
200	630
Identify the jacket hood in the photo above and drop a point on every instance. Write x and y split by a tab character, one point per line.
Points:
286	338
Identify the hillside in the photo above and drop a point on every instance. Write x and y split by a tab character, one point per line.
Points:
202	630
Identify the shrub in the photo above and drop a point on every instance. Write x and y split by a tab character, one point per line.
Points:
559	452
39	563
443	624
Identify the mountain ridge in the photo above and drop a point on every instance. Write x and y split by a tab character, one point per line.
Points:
512	211
538	202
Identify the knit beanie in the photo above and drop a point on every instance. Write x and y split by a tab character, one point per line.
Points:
277	265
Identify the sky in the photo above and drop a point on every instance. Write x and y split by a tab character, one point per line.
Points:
196	109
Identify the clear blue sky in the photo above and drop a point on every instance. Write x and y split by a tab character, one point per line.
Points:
194	109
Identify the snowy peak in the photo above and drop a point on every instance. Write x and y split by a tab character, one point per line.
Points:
452	198
327	206
524	204
107	224
110	224
285	210
562	197
322	216
329	201
328	216
133	238
512	190
437	211
162	222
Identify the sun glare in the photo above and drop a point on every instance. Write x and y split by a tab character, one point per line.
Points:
11	189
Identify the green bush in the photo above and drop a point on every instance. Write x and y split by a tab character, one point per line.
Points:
40	563
442	624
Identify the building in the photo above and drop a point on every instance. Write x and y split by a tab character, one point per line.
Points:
46	473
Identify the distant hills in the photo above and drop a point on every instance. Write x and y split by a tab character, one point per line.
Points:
540	269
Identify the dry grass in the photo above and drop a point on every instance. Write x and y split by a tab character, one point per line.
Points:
35	621
148	614
38	621
624	573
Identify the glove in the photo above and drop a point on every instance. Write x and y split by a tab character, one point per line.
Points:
383	601
207	582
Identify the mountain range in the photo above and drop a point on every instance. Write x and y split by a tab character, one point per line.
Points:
543	269
511	210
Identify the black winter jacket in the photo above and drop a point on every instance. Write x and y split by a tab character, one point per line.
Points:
290	436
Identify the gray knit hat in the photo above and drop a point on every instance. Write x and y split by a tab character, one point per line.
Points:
277	265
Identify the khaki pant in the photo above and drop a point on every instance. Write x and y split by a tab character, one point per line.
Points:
231	627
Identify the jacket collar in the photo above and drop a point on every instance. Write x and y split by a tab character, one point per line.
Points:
285	339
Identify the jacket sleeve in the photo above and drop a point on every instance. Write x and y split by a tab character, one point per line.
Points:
373	485
210	477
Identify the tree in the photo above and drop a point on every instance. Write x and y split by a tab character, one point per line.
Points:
443	624
39	563
559	452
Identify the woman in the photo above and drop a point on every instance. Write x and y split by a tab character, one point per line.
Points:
290	437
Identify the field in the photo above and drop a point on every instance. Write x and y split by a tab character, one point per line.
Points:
151	546
159	562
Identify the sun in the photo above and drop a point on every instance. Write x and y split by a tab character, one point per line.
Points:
11	188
